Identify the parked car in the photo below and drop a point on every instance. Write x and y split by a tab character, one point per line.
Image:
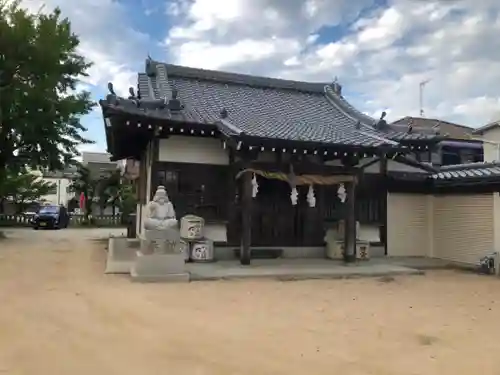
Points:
51	216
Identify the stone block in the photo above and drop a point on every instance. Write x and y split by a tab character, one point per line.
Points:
121	256
161	241
159	268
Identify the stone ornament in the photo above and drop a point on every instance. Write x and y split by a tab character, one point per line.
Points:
202	251
192	227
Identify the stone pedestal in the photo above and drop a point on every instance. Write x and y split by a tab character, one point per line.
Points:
160	241
121	255
159	268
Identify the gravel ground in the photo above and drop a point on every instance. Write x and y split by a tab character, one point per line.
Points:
61	315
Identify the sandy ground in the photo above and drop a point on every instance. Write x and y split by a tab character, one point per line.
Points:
60	314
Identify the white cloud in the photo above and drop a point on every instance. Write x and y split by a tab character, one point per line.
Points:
243	51
380	58
106	39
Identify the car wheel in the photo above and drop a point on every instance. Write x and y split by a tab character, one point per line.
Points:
35	228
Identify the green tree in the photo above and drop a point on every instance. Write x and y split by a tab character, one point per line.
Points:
40	109
110	192
127	201
25	188
29	188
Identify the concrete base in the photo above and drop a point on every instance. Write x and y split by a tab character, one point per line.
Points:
121	255
296	269
172	278
159	268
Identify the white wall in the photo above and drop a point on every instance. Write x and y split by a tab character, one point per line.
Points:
392	166
62	194
182	149
491	152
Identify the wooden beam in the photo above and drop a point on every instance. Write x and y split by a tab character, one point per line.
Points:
383	230
350	223
246	219
299	168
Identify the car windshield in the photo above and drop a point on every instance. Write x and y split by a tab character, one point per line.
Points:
49	210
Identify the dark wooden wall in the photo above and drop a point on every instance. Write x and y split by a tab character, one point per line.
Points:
211	192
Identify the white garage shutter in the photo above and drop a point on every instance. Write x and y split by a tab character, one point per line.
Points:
463	227
407	225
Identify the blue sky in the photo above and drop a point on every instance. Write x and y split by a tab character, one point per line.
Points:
380	50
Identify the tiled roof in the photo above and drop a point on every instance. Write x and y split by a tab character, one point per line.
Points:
429	126
396	133
471	171
256	106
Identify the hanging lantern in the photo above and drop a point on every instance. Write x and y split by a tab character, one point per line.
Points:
294	196
255	186
341	193
311	199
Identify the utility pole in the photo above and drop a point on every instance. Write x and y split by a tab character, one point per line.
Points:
421	96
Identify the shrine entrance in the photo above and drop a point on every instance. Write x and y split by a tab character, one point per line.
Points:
275	221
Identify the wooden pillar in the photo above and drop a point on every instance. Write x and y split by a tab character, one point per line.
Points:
383	229
350	223
246	218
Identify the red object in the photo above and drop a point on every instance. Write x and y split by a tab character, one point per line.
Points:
82	201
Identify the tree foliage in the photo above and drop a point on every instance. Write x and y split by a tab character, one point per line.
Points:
40	109
109	190
24	188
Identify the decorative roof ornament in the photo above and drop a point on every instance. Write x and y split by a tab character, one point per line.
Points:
133	97
381	123
358	125
139	94
174	104
131	93
336	86
223	113
150	69
111	89
112	98
410	126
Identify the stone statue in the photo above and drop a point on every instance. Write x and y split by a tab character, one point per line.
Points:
160	212
161	234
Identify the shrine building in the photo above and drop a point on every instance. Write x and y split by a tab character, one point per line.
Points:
278	166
